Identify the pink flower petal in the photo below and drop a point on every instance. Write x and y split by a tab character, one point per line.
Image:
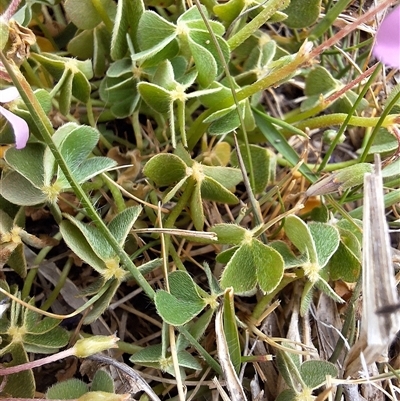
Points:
387	44
20	128
9	94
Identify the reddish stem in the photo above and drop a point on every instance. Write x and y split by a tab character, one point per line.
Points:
39	362
349	28
11	10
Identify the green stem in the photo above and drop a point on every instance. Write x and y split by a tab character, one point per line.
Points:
272	78
295	115
44	126
98	5
89	113
182	202
325	23
67	73
348	322
263	303
56	212
181	121
390	199
175	213
76	312
207	357
338	208
103	115
137	130
301	58
285	125
176	258
42	122
347	119
30	73
28	281
251	184
59	14
270	8
340	118
164	340
60	284
116	194
197	129
393	118
329	168
128	348
33	272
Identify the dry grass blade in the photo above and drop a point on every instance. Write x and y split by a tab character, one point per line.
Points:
139	383
379	289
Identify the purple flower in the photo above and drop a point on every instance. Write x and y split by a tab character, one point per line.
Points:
387	44
20	127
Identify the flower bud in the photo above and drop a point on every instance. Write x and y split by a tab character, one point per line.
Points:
103	396
340	180
91	345
329	136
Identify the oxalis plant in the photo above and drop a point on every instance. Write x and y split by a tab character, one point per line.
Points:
189	174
